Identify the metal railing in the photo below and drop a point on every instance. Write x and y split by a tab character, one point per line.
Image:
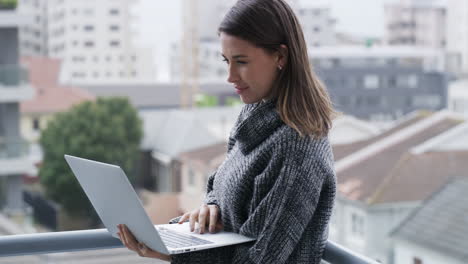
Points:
42	243
13	75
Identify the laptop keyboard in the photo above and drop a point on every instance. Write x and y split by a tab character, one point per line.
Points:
174	239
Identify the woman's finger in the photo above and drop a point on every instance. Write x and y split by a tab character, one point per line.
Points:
214	214
184	218
193	220
130	238
202	218
149	253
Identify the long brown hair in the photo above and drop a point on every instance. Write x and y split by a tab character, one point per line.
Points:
302	99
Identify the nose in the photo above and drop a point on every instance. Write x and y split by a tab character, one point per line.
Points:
233	76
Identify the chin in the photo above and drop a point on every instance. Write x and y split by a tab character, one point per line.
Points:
246	100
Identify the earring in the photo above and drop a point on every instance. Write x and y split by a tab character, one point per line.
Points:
280	67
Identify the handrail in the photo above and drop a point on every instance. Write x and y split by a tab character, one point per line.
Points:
94	239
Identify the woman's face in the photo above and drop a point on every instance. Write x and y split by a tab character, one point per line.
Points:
251	69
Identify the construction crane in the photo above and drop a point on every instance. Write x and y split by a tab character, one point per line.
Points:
190	49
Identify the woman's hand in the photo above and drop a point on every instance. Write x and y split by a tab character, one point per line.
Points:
205	216
129	240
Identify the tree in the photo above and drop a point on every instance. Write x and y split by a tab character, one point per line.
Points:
107	130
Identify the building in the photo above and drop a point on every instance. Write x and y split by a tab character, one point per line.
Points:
317	23
34	36
437	231
381	180
197	164
457	36
316	20
14	88
93	40
50	97
416	23
458	97
168	133
159	96
382	82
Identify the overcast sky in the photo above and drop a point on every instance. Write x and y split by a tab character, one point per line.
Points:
158	23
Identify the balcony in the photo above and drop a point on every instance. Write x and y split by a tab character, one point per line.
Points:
98	239
14	157
9	16
8	4
14	84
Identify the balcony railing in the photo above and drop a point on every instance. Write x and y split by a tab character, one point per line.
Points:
42	243
13	148
13	75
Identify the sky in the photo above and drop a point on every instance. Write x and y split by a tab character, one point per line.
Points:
159	23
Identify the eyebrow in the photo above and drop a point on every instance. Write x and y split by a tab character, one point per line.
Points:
236	56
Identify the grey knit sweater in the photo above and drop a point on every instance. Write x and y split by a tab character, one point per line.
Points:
274	186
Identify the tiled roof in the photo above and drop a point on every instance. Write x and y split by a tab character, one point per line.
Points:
363	179
441	223
416	177
343	150
50	97
205	154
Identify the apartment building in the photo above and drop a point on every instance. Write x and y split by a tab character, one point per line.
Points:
382	83
14	88
92	38
416	23
457	36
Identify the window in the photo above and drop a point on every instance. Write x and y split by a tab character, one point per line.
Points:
89	28
407	81
417	260
114	28
316	29
114	11
78	59
114	43
371	81
89	44
357	225
427	101
36	124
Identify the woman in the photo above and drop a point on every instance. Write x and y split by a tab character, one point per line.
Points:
277	183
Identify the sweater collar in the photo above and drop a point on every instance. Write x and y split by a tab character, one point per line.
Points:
256	124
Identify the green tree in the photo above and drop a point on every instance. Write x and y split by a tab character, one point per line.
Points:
205	100
107	130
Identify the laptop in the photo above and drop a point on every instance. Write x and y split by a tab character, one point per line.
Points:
116	202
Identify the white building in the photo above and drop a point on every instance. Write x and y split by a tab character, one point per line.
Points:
458	97
93	38
379	179
417	23
34	35
317	23
442	239
457	35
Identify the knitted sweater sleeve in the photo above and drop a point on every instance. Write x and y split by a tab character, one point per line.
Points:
282	215
210	197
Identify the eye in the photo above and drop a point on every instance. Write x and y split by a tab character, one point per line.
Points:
225	60
241	62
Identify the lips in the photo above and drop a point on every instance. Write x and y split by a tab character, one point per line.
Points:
239	89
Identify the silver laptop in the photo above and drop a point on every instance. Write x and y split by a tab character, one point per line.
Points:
116	202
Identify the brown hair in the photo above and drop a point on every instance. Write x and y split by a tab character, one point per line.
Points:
302	99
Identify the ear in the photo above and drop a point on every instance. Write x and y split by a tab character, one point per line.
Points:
283	53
